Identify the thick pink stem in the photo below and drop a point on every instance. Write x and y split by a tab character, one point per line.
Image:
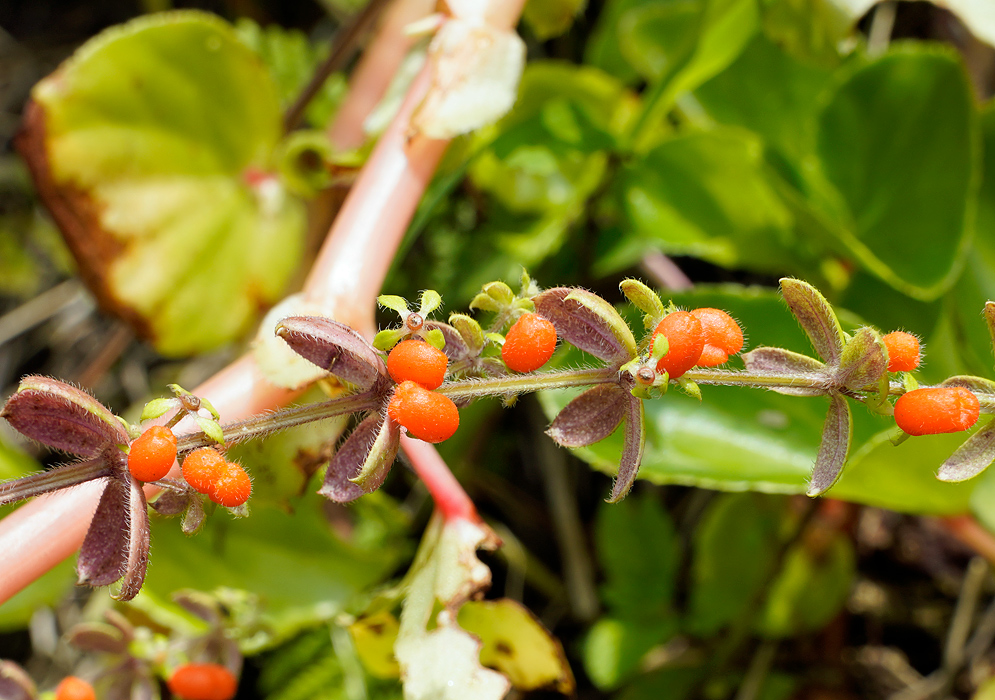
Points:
450	498
373	219
379	63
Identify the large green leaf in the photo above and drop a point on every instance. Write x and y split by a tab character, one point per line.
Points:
898	141
733	554
738	438
153	147
977	283
771	93
299	568
705	194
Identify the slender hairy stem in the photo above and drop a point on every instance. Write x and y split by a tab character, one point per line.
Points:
53	480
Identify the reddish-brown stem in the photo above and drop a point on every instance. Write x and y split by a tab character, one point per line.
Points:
972	533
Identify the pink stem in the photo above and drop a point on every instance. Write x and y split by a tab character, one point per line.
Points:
450	498
378	65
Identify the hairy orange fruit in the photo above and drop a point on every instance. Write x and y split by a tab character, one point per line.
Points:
417	361
686	340
937	410
425	414
529	343
152	454
903	351
723	336
73	688
202	467
232	487
203	682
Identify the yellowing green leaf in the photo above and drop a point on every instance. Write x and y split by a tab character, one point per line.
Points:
153	148
517	645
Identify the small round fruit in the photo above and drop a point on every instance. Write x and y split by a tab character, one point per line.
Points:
73	688
937	410
529	343
426	415
232	487
152	454
203	682
723	336
903	351
686	342
202	467
417	361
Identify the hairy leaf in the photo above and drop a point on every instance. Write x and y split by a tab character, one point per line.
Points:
374	444
333	346
816	317
864	360
971	458
62	416
592	416
380	456
103	557
588	322
632	450
788	364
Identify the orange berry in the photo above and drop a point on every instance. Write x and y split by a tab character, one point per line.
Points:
937	410
723	336
529	343
152	454
903	351
232	487
73	688
427	415
202	467
417	361
684	335
203	682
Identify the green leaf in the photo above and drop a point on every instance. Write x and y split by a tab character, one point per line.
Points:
211	428
549	18
613	648
810	589
705	195
158	407
639	551
771	93
162	130
517	645
898	140
733	553
256	553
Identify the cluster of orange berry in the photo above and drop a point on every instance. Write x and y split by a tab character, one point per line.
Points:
419	368
698	338
152	455
189	682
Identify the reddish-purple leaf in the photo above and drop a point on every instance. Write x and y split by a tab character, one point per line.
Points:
15	683
835	446
790	365
632	450
171	502
61	416
367	444
591	417
104	554
455	348
335	347
138	543
97	636
587	322
816	317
